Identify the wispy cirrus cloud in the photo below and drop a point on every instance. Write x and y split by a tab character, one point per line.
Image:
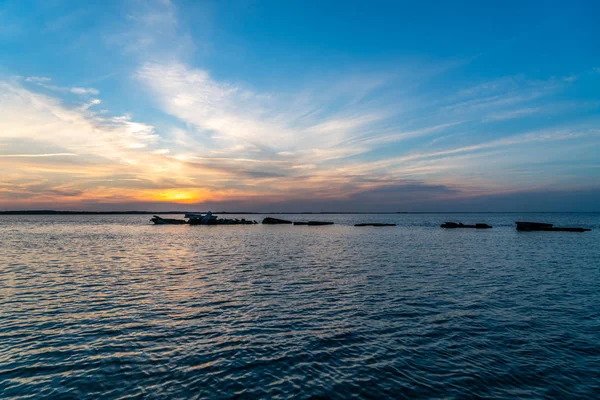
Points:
26	114
84	91
45	82
151	29
230	117
37	79
518	113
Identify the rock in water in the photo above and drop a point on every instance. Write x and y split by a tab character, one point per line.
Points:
275	221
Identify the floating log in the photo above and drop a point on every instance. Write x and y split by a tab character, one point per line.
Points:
454	225
374	224
275	221
538	226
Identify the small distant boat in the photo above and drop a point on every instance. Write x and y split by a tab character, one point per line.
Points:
454	225
539	226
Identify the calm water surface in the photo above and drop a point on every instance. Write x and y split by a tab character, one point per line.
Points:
111	307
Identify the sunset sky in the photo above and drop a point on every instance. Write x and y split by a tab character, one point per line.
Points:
300	105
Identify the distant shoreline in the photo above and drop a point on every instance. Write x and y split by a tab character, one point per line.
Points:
54	212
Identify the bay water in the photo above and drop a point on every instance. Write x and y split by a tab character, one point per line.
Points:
112	307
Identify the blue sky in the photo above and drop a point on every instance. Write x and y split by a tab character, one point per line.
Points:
300	105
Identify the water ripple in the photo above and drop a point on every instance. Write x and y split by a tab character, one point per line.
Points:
111	307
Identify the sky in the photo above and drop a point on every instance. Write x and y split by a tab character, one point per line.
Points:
300	105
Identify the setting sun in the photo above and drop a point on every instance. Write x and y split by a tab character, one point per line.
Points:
180	195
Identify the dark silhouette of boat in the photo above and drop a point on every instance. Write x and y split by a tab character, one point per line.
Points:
454	225
539	226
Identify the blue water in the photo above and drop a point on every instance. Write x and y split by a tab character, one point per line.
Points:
111	307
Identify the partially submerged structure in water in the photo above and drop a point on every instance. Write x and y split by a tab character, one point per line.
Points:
201	219
275	221
167	221
453	225
313	223
210	219
538	226
374	224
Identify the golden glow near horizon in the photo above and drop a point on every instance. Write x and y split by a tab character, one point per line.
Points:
182	196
